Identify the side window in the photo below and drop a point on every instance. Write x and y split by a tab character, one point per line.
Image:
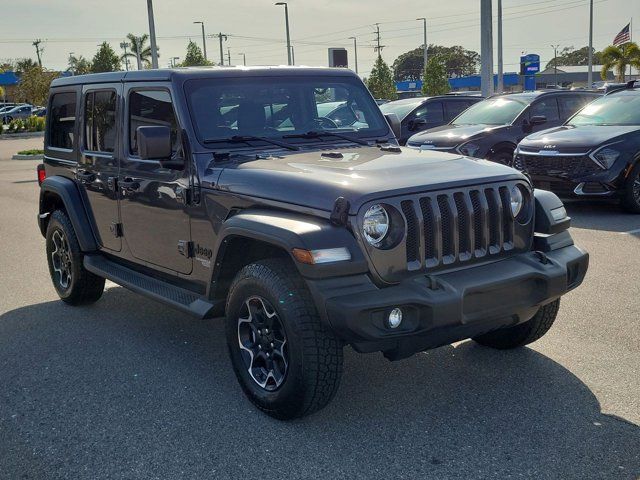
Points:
455	108
151	108
547	107
62	120
100	121
570	104
431	112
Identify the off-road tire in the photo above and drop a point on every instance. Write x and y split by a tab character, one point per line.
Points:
84	287
315	355
524	333
631	195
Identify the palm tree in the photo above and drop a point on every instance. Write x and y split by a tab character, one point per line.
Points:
139	50
619	58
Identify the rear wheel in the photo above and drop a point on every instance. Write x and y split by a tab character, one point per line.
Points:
74	284
631	194
288	364
524	333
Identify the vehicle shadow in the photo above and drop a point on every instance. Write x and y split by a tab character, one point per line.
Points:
127	388
603	215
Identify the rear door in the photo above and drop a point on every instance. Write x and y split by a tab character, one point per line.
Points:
428	115
98	166
546	107
155	219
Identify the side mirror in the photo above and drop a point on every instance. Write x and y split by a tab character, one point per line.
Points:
394	123
154	143
417	123
537	120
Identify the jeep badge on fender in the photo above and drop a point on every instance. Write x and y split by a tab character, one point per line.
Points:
240	196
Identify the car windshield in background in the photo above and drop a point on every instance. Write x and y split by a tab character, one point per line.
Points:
620	109
402	108
493	111
278	107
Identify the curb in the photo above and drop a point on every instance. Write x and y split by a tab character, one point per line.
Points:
27	157
9	136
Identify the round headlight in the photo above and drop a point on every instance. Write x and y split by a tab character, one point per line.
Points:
375	225
517	200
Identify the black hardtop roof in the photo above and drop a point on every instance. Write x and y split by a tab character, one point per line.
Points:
531	95
199	72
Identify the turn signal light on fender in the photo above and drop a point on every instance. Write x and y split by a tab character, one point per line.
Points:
326	255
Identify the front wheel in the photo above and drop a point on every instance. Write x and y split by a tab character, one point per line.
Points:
524	333
288	364
631	193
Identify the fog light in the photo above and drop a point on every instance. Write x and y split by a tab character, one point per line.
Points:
395	318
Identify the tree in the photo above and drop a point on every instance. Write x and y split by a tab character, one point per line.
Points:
194	57
458	62
24	64
619	58
380	81
435	80
571	56
34	85
140	51
79	65
105	60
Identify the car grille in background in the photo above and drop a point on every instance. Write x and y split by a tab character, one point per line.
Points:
457	226
557	166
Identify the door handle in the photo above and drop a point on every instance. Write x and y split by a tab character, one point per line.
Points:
86	177
129	184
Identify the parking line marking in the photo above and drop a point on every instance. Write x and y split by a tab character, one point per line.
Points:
631	232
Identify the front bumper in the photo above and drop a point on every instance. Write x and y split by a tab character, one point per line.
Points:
441	309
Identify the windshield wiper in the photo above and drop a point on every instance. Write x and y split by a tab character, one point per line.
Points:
249	138
320	133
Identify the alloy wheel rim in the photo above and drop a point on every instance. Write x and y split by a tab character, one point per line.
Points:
263	343
61	259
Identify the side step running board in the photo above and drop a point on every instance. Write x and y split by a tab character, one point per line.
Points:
162	291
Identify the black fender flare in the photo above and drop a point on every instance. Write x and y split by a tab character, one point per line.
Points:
67	191
287	230
501	146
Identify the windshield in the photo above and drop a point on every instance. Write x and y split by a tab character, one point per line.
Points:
402	108
493	111
619	109
277	107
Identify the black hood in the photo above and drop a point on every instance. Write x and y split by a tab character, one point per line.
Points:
362	174
575	139
452	135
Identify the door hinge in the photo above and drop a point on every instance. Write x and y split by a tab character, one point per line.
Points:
116	229
185	248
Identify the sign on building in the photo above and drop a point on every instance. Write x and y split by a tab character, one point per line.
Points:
338	58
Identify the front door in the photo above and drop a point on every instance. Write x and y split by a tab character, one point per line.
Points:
155	219
98	168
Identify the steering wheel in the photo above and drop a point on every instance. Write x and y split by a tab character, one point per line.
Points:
320	122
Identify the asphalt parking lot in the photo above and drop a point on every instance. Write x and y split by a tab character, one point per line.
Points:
128	388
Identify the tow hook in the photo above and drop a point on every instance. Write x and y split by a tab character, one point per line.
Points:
542	258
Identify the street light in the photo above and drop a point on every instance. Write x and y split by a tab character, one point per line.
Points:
286	20
173	61
424	28
124	46
355	51
152	35
555	63
204	42
244	59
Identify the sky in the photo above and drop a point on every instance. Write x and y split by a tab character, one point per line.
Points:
257	27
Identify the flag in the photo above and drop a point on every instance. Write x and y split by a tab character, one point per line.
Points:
623	37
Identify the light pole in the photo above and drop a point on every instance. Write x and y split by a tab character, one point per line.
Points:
286	20
590	73
152	35
486	48
173	61
424	31
500	61
555	63
244	58
355	51
124	46
229	56
204	42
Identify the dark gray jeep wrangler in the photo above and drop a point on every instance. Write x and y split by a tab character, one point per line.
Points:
278	197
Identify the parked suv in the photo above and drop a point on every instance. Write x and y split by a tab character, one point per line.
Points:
492	128
421	113
595	154
304	235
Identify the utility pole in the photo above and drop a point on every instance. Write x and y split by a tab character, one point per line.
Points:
500	58
244	59
286	21
378	48
355	51
173	61
204	41
221	37
124	45
293	56
590	72
36	44
486	47
228	56
424	31
555	63
152	35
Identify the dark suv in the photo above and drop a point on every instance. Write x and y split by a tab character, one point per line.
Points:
595	154
307	236
422	113
492	128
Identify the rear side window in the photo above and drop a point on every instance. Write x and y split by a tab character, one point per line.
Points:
547	107
62	120
100	121
151	108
